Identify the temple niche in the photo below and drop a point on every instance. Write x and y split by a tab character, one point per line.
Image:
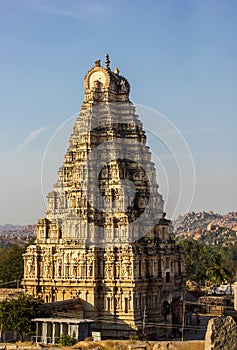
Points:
105	238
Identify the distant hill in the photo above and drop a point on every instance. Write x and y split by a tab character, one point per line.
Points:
214	228
9	227
20	234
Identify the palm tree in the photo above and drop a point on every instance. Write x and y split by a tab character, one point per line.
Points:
217	271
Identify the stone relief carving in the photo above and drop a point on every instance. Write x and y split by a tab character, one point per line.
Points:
30	266
89	267
123	86
126	268
48	267
59	268
109	270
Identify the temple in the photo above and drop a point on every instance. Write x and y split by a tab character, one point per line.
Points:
105	238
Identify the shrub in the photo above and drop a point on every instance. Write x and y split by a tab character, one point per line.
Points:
67	340
133	337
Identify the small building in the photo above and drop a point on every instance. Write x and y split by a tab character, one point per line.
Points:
71	308
49	330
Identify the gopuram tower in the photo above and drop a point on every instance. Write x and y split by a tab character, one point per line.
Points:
105	238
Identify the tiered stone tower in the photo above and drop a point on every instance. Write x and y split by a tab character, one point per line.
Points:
105	238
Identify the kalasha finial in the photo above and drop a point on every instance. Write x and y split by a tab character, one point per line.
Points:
107	62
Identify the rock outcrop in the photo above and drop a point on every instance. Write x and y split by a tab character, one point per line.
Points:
221	334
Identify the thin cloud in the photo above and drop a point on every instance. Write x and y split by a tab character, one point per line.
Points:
58	12
29	139
76	9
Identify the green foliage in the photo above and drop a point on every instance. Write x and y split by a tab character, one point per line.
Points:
212	264
219	271
231	252
16	314
30	242
133	337
11	263
67	340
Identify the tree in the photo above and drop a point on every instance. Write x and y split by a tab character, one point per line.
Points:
221	268
196	259
16	314
216	272
11	263
212	264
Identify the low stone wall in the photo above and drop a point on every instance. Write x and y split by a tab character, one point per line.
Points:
9	293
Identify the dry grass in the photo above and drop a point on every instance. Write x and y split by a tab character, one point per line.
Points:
104	344
190	345
110	345
123	345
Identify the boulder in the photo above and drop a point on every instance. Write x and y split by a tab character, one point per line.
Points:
165	346
139	346
221	334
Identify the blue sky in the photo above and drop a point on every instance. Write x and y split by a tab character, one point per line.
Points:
179	57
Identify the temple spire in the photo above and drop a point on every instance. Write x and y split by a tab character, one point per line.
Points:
107	62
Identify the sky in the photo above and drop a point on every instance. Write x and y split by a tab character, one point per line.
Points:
180	57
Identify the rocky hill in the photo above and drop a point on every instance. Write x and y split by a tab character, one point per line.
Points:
10	234
211	227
